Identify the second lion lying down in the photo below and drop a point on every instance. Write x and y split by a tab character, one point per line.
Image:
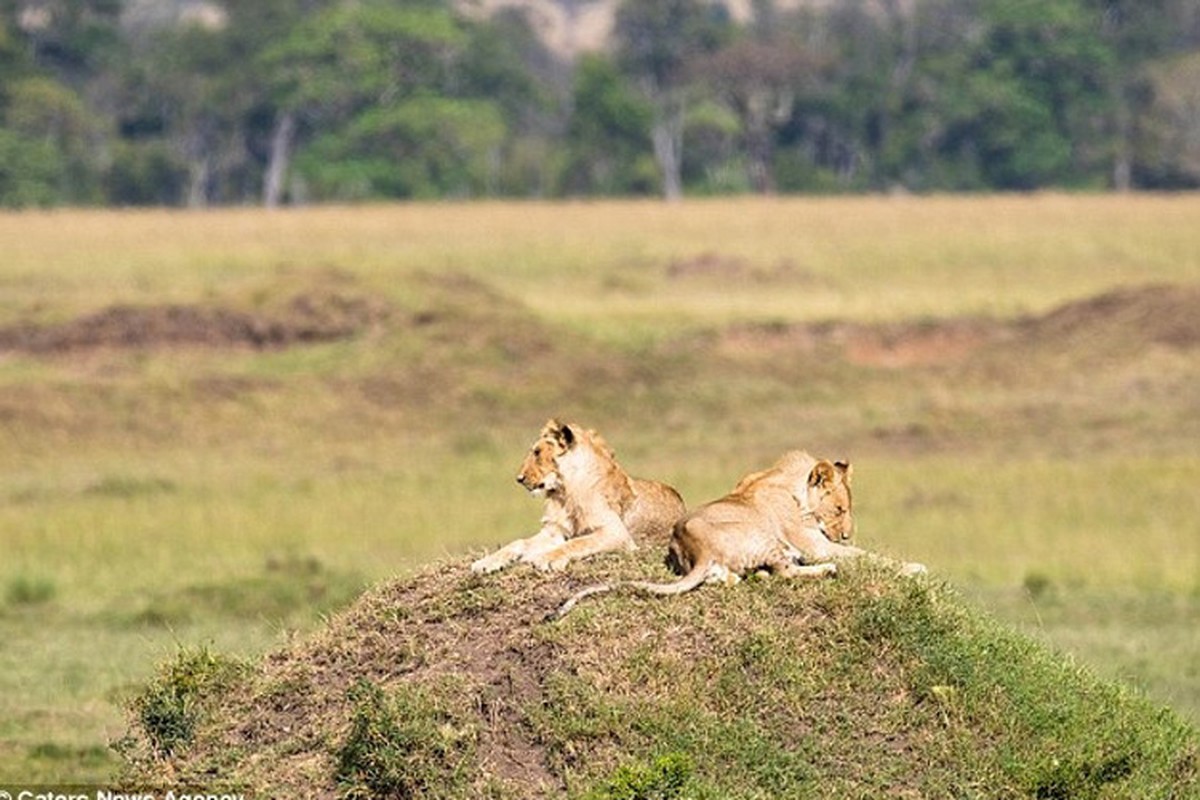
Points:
793	519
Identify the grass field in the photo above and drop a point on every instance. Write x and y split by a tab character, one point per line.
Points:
218	426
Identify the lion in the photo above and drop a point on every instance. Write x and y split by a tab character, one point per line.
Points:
592	505
794	519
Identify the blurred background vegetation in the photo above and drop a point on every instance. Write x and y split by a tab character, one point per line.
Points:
203	102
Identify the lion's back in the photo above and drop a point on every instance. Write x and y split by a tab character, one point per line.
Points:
655	509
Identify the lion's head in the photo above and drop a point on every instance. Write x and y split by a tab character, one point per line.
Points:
539	471
542	471
828	497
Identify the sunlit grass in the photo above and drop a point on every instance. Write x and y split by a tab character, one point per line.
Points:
129	478
971	518
602	263
1078	523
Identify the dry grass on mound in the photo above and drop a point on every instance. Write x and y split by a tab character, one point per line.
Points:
452	685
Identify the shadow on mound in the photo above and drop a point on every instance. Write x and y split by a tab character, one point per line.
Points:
450	685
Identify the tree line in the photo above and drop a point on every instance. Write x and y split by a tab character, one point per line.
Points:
119	102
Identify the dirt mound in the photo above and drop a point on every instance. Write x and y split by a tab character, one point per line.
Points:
892	345
1159	314
451	685
717	267
1127	319
307	318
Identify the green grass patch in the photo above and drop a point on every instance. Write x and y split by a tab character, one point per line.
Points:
667	777
70	761
25	591
403	743
290	590
171	706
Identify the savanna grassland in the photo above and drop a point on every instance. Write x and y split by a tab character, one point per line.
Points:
218	427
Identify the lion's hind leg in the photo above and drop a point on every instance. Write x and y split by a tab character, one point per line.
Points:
723	575
794	570
791	564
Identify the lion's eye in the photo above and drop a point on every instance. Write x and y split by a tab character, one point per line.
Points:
537	451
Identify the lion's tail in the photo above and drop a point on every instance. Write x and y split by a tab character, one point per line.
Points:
693	579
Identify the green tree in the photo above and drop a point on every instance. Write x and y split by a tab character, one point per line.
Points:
760	79
656	43
72	39
505	62
52	142
50	117
1148	124
1168	145
30	171
1006	94
1137	32
270	130
358	76
424	148
608	139
182	93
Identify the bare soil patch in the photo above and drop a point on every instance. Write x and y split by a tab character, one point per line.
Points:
309	317
892	345
718	267
445	628
1124	319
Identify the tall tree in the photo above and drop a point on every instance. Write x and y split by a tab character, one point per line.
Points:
1169	136
608	140
656	40
254	27
383	94
182	90
759	78
1006	94
506	63
1138	33
73	39
52	142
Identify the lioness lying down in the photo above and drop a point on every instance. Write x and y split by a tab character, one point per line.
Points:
793	519
592	504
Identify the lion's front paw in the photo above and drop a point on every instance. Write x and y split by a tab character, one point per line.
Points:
913	568
548	562
488	564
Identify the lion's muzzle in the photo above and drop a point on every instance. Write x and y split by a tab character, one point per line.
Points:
535	489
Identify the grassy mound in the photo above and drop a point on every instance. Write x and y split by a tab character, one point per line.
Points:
450	685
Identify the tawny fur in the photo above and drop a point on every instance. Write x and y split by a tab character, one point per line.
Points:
592	505
792	519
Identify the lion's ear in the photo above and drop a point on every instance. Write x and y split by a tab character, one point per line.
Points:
821	475
846	469
562	433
